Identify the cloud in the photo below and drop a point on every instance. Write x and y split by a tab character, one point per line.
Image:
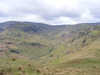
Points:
62	20
50	11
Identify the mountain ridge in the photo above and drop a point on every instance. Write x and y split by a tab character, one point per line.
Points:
60	47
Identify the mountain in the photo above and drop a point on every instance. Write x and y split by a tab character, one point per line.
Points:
62	48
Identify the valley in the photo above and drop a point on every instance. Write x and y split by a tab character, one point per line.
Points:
28	48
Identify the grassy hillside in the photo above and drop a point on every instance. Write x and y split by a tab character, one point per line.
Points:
39	49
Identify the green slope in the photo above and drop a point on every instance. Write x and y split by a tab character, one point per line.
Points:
53	50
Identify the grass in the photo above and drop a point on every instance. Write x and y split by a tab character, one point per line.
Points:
83	63
18	67
72	52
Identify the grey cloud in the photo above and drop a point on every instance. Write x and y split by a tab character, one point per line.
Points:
51	11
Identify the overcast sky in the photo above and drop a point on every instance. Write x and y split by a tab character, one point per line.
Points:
50	11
